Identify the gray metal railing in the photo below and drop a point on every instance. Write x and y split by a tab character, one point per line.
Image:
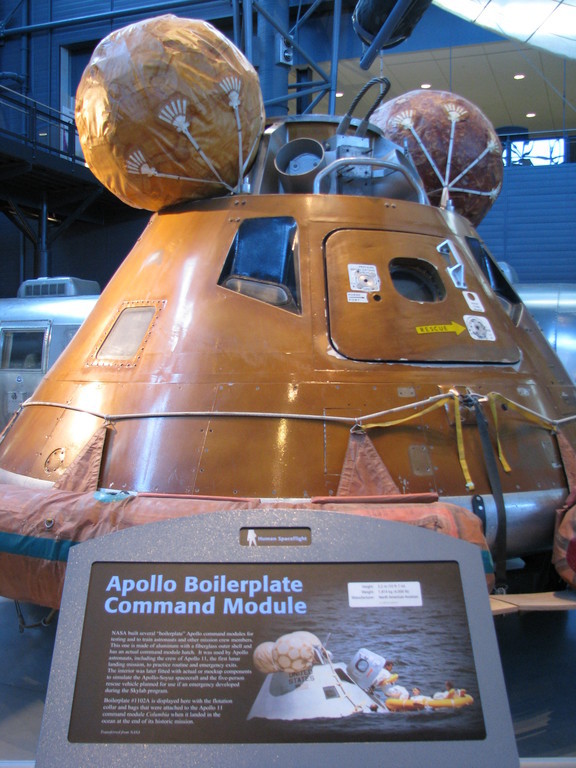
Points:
45	128
38	126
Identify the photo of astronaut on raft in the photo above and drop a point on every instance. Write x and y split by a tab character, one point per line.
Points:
382	653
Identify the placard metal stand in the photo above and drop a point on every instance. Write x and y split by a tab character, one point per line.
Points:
260	637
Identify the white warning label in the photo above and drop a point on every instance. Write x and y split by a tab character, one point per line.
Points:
363	277
479	328
357	298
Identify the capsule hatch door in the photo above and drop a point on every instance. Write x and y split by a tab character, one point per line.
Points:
396	296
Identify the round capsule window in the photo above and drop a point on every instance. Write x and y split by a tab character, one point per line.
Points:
416	280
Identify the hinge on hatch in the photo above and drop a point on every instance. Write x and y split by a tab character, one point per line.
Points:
456	269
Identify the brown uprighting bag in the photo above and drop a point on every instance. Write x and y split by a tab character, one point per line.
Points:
564	549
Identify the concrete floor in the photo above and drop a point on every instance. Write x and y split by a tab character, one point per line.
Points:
538	651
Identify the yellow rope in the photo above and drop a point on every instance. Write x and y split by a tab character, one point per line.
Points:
536	418
452	397
493	398
503	461
460	443
438	404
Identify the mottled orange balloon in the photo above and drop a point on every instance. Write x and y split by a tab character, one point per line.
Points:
168	109
453	144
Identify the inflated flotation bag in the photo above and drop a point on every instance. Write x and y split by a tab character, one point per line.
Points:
412	705
564	549
404	705
455	702
168	109
38	526
564	552
453	144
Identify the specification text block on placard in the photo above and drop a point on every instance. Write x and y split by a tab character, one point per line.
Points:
384	594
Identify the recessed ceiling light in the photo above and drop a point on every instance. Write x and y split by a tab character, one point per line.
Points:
530	114
339	94
425	85
519	76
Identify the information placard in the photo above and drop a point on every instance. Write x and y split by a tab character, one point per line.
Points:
175	656
312	638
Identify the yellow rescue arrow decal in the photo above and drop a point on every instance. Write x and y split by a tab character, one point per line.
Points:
452	327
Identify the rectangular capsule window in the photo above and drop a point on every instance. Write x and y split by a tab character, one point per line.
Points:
22	349
263	262
127	333
123	342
